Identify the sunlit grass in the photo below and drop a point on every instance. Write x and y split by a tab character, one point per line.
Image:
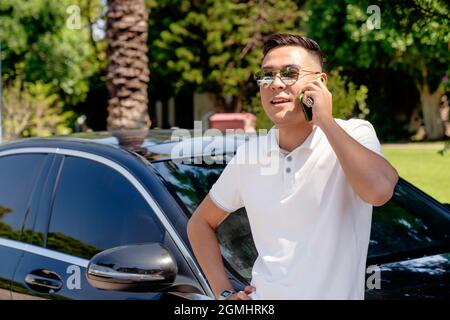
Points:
424	168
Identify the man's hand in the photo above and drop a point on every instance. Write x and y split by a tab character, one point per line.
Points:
323	103
369	174
242	295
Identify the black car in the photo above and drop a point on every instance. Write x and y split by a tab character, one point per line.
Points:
82	217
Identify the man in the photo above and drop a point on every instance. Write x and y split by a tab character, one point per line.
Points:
311	217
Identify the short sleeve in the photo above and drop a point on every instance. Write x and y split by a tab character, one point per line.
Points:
225	193
363	132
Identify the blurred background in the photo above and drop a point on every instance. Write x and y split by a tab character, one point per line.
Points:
92	65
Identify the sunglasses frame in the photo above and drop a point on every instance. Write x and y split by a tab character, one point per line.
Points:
267	82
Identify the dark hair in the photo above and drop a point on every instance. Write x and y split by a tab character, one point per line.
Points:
286	39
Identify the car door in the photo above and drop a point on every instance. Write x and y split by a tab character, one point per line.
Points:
20	174
409	247
93	207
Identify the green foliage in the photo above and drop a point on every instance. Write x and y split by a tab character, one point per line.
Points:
36	238
32	109
348	100
61	59
63	243
409	50
214	46
49	56
406	39
3	211
235	34
56	241
7	232
27	21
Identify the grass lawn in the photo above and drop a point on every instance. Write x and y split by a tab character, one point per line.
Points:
424	168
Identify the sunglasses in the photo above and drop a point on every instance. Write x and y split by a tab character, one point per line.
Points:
288	75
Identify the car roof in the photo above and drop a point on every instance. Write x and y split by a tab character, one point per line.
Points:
158	145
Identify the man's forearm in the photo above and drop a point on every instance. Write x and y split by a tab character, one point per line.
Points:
207	251
369	174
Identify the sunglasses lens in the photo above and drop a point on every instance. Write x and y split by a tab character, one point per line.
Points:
289	75
264	78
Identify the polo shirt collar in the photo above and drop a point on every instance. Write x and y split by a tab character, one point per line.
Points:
310	143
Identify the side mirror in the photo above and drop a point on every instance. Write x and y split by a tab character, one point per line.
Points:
133	268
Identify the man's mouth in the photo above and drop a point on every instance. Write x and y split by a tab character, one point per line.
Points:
278	101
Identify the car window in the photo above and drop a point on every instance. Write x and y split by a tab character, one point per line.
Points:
236	243
403	224
17	178
96	208
190	182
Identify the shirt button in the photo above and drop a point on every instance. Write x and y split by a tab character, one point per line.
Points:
289	158
288	170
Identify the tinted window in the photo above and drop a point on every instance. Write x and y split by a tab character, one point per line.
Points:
17	176
236	243
97	208
190	182
405	223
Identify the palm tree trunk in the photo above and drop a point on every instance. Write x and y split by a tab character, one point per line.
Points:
128	73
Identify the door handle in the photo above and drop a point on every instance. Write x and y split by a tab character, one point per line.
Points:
43	282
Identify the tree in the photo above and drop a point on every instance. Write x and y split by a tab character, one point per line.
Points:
348	100
411	44
236	32
42	49
38	45
163	86
32	109
128	73
215	46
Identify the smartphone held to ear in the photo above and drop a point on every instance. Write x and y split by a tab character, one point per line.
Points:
307	111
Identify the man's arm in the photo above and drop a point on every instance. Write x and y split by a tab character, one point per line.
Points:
201	233
369	174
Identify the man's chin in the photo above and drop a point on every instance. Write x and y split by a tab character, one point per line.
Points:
281	119
281	116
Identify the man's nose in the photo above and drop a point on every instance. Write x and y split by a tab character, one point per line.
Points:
277	83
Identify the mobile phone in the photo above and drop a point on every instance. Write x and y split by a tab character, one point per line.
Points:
307	111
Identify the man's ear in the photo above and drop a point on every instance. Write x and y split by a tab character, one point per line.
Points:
325	77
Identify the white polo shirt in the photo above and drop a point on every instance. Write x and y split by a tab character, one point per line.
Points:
311	230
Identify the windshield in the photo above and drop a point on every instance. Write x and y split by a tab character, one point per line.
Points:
405	224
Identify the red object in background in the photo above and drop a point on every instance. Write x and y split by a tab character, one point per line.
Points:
223	121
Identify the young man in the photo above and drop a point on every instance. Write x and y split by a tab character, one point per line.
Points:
310	214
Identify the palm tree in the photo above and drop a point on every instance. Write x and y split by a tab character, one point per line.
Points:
128	73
